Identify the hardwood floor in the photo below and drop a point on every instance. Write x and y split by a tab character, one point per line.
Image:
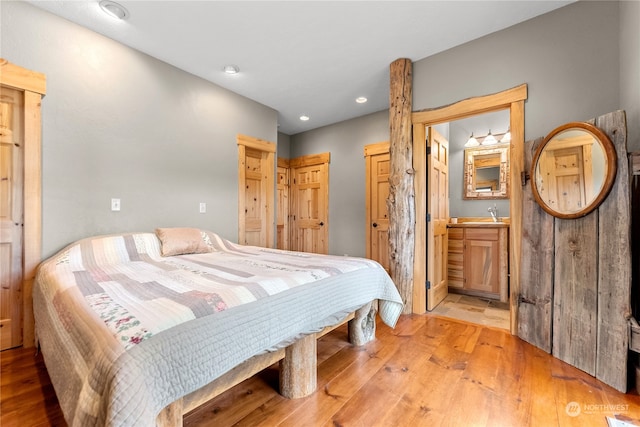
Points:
428	371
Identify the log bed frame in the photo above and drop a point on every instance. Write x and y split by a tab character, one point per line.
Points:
298	367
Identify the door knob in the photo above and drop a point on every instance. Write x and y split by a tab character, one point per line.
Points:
321	223
375	224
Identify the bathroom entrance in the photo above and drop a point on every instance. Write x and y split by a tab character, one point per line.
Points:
482	259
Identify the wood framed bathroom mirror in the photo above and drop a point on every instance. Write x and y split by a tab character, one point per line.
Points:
486	172
573	170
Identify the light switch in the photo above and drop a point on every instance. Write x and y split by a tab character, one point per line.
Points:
115	204
203	207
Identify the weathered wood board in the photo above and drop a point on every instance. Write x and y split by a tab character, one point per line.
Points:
575	293
536	279
614	262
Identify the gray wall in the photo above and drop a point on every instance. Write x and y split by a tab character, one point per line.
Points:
118	123
630	70
569	59
579	62
345	141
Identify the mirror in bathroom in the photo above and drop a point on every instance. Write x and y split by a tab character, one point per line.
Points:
573	170
486	172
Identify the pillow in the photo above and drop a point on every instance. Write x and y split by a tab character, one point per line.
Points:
180	241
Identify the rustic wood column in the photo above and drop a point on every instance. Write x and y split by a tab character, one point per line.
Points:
299	368
400	203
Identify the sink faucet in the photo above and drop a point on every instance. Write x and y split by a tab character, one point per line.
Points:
494	212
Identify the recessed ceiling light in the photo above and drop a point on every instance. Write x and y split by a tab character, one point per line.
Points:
231	69
304	118
361	100
114	10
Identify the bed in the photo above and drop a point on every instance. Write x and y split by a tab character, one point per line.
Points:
139	328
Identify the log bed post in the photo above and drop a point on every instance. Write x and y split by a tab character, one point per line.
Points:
400	202
362	328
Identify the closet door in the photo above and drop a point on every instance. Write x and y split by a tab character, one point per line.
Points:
11	216
377	165
256	197
21	93
310	208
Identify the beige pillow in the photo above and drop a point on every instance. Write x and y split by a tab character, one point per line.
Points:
179	241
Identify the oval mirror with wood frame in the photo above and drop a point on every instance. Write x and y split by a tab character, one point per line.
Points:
573	170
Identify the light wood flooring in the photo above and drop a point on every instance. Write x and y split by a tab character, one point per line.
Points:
428	371
482	311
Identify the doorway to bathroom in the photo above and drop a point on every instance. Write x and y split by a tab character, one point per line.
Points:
511	100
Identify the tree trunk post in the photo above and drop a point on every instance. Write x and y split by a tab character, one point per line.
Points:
401	201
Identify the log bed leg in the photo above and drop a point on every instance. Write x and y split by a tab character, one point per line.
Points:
171	415
298	369
362	328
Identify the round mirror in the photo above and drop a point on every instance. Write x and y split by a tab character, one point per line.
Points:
573	170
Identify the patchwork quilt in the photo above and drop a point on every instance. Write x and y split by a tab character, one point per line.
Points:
125	330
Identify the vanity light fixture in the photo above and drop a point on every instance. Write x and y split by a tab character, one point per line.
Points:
507	136
304	117
489	139
114	9
231	69
361	100
472	142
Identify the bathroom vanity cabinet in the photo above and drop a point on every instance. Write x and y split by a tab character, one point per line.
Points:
479	259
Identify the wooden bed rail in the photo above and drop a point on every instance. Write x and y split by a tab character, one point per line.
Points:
298	367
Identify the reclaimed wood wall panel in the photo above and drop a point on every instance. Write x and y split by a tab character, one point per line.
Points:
536	280
588	271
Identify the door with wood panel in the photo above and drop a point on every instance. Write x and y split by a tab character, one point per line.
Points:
11	217
310	207
282	200
437	217
377	164
256	183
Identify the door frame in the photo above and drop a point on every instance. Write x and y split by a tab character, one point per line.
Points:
34	87
511	99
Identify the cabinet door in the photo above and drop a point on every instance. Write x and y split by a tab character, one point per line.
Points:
481	266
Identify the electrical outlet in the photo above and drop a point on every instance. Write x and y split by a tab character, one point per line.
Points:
203	207
115	205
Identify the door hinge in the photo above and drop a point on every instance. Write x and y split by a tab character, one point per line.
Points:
428	217
428	284
428	151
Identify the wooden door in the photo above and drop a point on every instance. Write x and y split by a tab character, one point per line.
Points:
437	217
377	191
282	200
310	207
11	217
256	183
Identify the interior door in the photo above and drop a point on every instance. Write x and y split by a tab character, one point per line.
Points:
256	183
11	217
282	199
377	191
310	208
437	217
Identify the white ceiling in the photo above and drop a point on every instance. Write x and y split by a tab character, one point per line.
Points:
300	57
